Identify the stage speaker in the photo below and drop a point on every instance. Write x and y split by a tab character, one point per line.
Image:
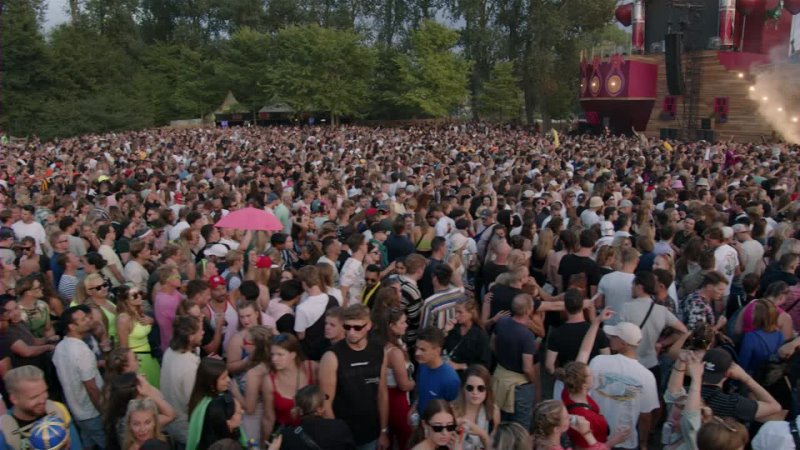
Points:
705	124
668	133
673	44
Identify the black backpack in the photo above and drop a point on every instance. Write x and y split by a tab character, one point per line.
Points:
314	343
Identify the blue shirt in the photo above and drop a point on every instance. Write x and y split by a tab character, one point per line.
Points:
441	382
757	346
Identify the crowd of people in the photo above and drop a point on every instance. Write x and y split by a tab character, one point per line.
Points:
457	287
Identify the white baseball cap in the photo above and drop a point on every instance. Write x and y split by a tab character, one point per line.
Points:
628	332
773	435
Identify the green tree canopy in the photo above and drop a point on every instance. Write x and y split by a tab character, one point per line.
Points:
501	97
433	76
313	68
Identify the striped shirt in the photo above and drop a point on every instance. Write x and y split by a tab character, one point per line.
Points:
411	300
66	287
440	308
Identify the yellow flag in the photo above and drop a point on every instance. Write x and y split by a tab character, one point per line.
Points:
556	141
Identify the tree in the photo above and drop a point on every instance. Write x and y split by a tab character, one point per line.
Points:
25	74
434	77
478	38
313	68
501	97
242	67
184	82
550	54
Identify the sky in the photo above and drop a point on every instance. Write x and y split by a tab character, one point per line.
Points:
56	13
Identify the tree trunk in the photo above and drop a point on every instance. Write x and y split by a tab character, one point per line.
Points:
74	11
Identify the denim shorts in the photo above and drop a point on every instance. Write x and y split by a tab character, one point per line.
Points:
92	433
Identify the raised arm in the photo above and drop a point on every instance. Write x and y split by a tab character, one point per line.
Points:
588	340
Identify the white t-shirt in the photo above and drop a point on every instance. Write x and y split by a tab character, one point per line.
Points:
34	230
111	260
309	311
589	218
136	274
178	372
352	277
623	389
752	251
175	232
444	226
617	289
75	363
727	260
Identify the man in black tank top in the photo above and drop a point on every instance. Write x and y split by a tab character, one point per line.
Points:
352	374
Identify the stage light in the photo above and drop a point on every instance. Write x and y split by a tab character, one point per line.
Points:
741	75
780	109
765	98
752	88
794	119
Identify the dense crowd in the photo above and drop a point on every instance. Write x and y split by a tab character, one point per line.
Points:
457	287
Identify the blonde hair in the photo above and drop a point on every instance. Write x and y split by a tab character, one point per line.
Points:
545	244
546	418
722	434
511	436
765	316
136	405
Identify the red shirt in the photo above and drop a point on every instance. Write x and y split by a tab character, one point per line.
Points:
597	422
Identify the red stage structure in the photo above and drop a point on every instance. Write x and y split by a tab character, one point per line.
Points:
725	44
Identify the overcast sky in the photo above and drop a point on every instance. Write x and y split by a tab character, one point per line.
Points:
56	13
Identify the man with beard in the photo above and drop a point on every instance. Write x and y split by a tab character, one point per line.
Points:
27	391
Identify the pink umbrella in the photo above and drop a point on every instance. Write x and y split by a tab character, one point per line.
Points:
250	219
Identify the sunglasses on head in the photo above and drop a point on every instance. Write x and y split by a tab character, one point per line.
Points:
451	427
353	327
471	388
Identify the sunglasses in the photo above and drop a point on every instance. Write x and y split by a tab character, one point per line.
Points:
471	388
97	288
26	248
451	427
353	327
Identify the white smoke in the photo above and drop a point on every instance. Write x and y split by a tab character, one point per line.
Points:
776	90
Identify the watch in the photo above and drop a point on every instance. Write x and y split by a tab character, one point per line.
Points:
385	430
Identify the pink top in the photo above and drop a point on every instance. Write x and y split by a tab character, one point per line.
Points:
747	317
165	307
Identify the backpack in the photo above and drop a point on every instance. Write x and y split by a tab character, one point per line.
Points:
16	437
774	369
314	343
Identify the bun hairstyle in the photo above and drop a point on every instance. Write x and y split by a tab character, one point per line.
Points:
573	375
546	417
308	400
